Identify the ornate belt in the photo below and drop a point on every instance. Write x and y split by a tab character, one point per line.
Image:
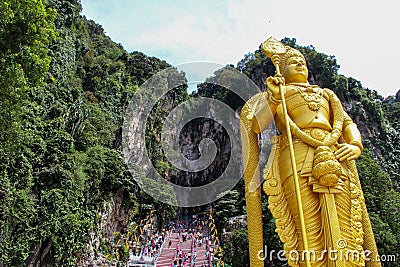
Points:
316	133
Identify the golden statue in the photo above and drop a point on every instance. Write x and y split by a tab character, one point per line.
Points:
310	177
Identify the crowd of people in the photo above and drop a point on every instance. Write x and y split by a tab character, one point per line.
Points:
194	231
191	234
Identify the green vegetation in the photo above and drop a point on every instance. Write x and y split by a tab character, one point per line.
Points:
64	88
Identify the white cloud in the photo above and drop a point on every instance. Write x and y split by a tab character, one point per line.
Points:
361	34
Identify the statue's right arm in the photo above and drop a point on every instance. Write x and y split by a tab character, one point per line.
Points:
265	108
263	115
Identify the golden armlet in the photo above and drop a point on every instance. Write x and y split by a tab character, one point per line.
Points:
272	99
352	135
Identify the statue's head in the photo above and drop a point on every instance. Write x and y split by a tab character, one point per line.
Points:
293	66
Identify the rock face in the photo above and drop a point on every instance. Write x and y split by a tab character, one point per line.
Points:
380	133
204	140
189	141
114	218
41	256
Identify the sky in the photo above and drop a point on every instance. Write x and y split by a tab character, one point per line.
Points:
362	35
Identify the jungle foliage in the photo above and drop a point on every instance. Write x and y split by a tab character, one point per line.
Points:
64	87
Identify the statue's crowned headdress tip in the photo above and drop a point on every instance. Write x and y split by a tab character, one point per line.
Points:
273	47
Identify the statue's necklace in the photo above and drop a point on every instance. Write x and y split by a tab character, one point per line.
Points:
337	125
312	94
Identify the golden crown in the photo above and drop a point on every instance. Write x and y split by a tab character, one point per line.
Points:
272	47
290	52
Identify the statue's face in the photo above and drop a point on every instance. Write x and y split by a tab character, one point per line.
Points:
295	70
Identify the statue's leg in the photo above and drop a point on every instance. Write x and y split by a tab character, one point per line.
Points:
311	208
347	240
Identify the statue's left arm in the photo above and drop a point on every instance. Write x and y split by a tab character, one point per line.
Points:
352	148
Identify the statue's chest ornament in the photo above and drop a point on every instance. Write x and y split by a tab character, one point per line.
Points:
312	95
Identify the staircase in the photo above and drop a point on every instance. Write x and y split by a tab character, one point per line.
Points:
169	253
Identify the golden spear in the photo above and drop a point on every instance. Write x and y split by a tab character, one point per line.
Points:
274	49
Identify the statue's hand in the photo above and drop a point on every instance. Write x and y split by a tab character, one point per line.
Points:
273	85
347	152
